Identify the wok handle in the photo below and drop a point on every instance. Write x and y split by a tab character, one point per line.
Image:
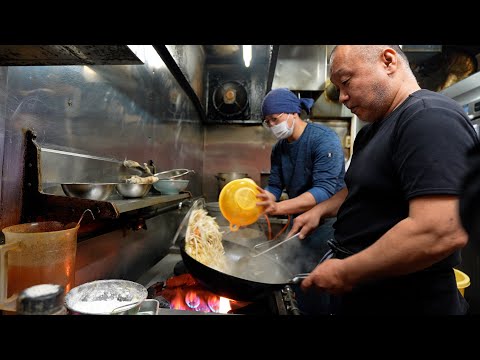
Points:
298	278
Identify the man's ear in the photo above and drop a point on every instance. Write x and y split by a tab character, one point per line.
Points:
390	60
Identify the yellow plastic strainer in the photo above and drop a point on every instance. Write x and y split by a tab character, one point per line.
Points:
238	203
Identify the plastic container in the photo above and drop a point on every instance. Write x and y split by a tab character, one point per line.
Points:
238	203
36	253
463	281
42	299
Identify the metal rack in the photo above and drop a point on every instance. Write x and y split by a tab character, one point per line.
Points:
42	202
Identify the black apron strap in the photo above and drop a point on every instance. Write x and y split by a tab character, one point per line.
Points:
339	251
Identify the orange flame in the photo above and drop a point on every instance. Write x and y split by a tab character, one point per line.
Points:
192	299
184	293
177	302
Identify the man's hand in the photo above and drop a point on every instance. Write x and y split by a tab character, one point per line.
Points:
267	200
328	276
305	223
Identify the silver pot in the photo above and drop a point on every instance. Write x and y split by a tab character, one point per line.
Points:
224	178
213	210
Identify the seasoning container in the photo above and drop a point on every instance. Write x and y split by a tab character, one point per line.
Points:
43	299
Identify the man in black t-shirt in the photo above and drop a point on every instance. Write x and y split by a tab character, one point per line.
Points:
398	234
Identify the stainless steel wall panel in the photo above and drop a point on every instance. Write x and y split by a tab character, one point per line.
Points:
301	67
137	112
191	60
235	148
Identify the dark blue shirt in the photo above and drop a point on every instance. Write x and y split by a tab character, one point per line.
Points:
314	163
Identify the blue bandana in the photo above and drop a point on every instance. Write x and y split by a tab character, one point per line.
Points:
282	100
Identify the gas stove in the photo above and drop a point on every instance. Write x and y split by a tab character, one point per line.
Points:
178	293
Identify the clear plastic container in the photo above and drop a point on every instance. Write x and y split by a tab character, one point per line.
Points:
238	203
36	253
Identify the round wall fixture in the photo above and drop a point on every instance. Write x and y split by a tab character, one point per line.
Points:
230	99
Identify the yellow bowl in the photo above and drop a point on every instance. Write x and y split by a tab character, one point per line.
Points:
463	281
237	202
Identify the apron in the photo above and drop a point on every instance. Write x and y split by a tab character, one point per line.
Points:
312	251
432	291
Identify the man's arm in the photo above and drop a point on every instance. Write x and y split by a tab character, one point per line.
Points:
309	220
430	233
296	205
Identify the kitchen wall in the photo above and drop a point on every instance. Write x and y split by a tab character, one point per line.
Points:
137	112
234	148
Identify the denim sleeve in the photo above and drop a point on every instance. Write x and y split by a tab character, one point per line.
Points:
275	180
328	169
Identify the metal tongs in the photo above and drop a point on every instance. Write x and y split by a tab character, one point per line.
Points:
272	247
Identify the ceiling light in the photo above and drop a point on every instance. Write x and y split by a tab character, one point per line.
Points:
247	54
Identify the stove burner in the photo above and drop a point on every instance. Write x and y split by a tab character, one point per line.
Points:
182	292
162	302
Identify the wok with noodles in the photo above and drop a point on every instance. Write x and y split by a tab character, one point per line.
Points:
214	262
203	240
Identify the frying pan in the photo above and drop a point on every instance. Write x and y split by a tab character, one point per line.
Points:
262	275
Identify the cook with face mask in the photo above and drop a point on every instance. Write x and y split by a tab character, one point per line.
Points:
308	163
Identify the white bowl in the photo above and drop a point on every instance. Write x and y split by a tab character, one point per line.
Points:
170	187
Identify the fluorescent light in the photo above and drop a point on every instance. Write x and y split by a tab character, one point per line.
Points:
148	55
247	54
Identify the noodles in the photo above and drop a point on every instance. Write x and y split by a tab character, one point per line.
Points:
203	240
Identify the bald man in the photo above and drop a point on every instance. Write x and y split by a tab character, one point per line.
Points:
398	233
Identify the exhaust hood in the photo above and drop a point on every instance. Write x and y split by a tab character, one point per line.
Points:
301	67
33	55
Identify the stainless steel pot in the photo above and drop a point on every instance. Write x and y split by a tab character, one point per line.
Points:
224	178
106	297
213	210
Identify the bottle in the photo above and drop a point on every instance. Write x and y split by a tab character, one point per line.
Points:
43	299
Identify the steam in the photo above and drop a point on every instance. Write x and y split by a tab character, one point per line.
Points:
278	265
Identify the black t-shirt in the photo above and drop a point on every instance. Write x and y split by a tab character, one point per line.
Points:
418	149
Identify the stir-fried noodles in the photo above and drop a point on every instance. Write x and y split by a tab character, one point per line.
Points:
203	240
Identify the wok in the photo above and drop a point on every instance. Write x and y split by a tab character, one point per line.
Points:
262	275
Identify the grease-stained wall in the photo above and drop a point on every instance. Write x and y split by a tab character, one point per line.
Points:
137	112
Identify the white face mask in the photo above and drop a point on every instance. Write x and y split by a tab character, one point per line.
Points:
282	131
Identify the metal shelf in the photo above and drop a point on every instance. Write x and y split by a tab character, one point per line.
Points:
53	204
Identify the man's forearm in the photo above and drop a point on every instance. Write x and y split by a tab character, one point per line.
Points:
329	208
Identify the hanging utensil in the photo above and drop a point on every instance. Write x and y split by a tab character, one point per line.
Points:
131	164
173	174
